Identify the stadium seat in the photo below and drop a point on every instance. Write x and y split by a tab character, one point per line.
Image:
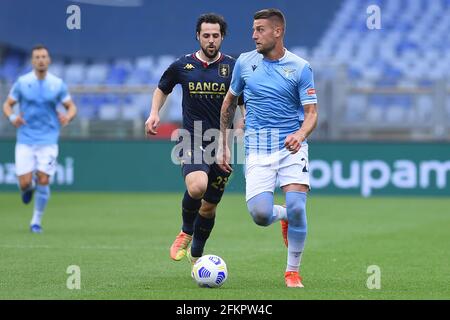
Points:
411	50
109	112
75	73
96	73
11	67
57	68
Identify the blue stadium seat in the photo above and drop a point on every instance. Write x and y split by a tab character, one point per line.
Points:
405	33
11	67
75	73
57	68
96	73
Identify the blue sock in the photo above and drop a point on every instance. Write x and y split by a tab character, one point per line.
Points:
40	202
202	229
190	209
263	212
27	192
296	213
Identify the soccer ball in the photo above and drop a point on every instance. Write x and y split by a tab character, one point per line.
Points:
210	271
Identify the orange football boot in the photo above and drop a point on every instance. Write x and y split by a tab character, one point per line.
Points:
179	246
293	279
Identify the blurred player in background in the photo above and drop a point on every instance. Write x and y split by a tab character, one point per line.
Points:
38	124
205	77
278	86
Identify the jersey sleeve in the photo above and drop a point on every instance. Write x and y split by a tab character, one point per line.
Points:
15	91
307	92
237	82
64	95
169	79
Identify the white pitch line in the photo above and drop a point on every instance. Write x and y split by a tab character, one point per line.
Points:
15	246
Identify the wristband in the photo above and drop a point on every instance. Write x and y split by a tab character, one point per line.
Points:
12	117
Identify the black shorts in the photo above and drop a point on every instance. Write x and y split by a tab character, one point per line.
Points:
217	179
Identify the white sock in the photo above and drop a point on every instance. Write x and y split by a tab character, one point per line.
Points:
40	202
293	260
37	217
279	213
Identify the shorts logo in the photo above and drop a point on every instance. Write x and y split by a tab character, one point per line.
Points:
189	67
52	162
224	70
311	92
305	169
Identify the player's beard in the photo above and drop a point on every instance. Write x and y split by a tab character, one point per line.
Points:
40	67
265	49
210	55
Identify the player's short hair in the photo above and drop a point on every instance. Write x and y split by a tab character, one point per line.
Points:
272	14
39	47
212	18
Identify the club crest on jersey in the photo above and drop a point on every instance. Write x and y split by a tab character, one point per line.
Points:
224	70
288	72
189	66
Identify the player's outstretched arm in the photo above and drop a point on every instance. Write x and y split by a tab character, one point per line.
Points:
227	112
159	98
71	108
294	141
15	119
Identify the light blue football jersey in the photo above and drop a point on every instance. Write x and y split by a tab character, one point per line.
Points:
38	100
274	95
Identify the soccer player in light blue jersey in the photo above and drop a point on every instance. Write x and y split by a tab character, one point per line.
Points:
38	123
278	86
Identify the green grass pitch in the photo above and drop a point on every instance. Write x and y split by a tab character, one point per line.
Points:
121	243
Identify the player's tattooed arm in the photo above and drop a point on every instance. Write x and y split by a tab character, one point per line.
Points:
241	105
227	112
242	108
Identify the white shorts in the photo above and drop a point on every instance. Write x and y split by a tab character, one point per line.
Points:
264	172
30	158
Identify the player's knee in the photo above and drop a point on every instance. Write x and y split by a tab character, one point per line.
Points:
24	184
261	214
261	218
196	190
296	214
43	180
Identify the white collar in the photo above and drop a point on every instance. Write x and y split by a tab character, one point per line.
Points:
278	60
197	55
